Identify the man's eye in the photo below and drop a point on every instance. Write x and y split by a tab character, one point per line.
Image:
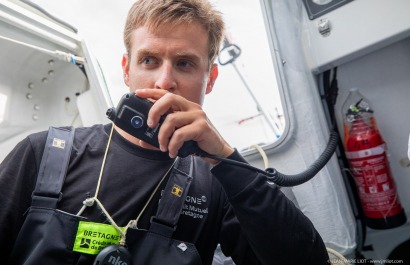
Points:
148	60
185	64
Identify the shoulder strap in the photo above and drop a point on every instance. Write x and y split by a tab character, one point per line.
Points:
53	167
173	198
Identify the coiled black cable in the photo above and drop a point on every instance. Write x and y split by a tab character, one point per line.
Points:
290	180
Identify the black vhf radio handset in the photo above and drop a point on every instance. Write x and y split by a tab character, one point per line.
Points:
131	116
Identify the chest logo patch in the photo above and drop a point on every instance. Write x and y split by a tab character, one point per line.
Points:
58	143
91	237
177	190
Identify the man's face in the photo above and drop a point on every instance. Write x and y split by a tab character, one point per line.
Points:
173	58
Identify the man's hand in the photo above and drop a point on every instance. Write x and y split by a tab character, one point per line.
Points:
186	121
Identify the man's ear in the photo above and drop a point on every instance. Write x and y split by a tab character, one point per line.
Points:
125	68
213	74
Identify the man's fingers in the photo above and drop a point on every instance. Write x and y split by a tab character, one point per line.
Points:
180	137
185	121
176	122
150	93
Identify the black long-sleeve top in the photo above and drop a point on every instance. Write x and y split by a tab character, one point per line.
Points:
251	219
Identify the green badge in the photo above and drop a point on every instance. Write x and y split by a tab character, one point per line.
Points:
92	237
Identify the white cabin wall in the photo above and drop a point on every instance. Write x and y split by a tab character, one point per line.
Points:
369	43
383	77
323	199
40	87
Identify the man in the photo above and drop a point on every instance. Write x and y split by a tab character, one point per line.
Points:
171	48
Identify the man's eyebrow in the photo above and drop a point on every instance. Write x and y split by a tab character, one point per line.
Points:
189	55
145	52
185	54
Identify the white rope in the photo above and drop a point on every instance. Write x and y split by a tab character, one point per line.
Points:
153	193
112	222
90	201
134	223
87	202
340	258
263	154
103	164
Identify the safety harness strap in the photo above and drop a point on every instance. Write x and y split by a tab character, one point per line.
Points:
53	167
173	198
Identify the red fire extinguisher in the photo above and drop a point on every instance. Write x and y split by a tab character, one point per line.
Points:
366	153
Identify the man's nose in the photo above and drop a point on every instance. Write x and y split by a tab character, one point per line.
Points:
166	77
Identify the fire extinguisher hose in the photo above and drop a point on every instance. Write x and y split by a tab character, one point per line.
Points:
290	180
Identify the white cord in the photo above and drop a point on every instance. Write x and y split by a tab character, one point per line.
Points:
339	257
90	201
263	154
152	194
68	57
103	164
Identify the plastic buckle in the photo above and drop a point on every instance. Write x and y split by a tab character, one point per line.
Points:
45	201
161	228
154	219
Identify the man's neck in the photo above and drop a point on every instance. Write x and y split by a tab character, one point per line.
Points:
134	140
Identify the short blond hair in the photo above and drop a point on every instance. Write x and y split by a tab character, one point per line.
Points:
153	13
